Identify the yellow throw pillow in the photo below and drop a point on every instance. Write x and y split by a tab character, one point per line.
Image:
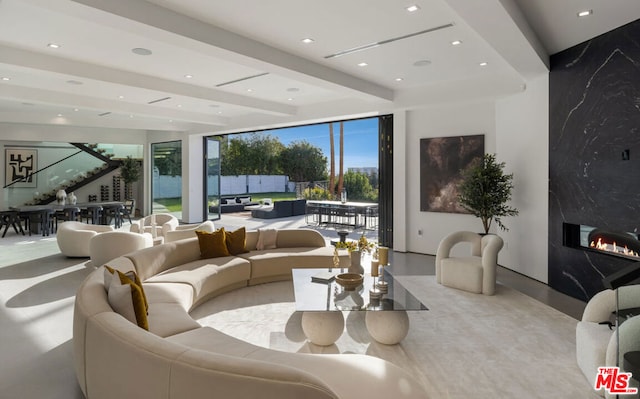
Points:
236	241
212	245
109	272
127	299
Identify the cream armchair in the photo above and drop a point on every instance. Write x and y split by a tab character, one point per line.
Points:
73	237
596	339
110	245
188	231
474	273
162	219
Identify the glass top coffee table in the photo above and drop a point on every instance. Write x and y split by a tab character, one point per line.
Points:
322	304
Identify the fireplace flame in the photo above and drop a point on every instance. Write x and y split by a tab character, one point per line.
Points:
613	247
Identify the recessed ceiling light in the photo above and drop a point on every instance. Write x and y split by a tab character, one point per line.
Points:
483	64
399	79
585	13
307	40
76	109
59	115
141	51
249	90
422	63
289	99
170	120
413	8
6	79
456	43
75	82
362	64
53	45
188	76
219	112
121	97
130	116
179	105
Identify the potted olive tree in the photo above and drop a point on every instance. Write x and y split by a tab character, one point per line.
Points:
130	173
485	191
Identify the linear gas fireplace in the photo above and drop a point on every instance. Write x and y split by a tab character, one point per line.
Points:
622	244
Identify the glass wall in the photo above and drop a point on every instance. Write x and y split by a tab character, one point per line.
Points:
212	178
166	184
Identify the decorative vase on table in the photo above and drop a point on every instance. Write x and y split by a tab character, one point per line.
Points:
356	262
61	197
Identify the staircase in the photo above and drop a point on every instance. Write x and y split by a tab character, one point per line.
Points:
80	178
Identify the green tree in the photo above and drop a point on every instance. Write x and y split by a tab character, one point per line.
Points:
258	154
264	154
358	187
169	164
302	161
485	191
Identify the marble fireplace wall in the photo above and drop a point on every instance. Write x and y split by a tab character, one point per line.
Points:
594	121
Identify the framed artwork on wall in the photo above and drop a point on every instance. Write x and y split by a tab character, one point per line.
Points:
20	166
442	160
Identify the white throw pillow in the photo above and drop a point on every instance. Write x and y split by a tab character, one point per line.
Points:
245	200
266	239
126	296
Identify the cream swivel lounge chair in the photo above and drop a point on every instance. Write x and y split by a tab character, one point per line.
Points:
183	231
73	237
475	272
110	245
596	340
161	220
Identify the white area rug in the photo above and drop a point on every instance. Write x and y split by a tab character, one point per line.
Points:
466	346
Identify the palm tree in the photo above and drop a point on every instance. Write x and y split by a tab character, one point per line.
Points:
332	173
341	172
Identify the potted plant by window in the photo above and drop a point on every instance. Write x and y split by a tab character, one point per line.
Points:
485	191
130	173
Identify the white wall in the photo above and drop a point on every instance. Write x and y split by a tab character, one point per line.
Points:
522	141
438	121
516	129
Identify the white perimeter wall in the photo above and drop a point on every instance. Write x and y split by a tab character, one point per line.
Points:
516	129
522	123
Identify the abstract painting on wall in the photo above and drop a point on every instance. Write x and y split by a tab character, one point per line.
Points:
442	160
21	164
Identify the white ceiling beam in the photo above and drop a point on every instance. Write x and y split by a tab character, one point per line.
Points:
41	96
34	60
271	59
503	26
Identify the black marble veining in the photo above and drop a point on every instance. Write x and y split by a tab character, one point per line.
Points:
594	152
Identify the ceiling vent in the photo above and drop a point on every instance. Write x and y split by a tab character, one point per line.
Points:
387	41
159	100
242	79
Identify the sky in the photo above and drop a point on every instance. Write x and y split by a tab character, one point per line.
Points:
360	140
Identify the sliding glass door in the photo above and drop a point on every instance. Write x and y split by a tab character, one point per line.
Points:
212	178
166	184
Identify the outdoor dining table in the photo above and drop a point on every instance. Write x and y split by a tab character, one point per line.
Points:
351	213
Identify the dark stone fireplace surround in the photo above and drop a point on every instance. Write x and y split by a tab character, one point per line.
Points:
594	153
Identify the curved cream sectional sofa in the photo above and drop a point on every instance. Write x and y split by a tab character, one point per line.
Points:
178	358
